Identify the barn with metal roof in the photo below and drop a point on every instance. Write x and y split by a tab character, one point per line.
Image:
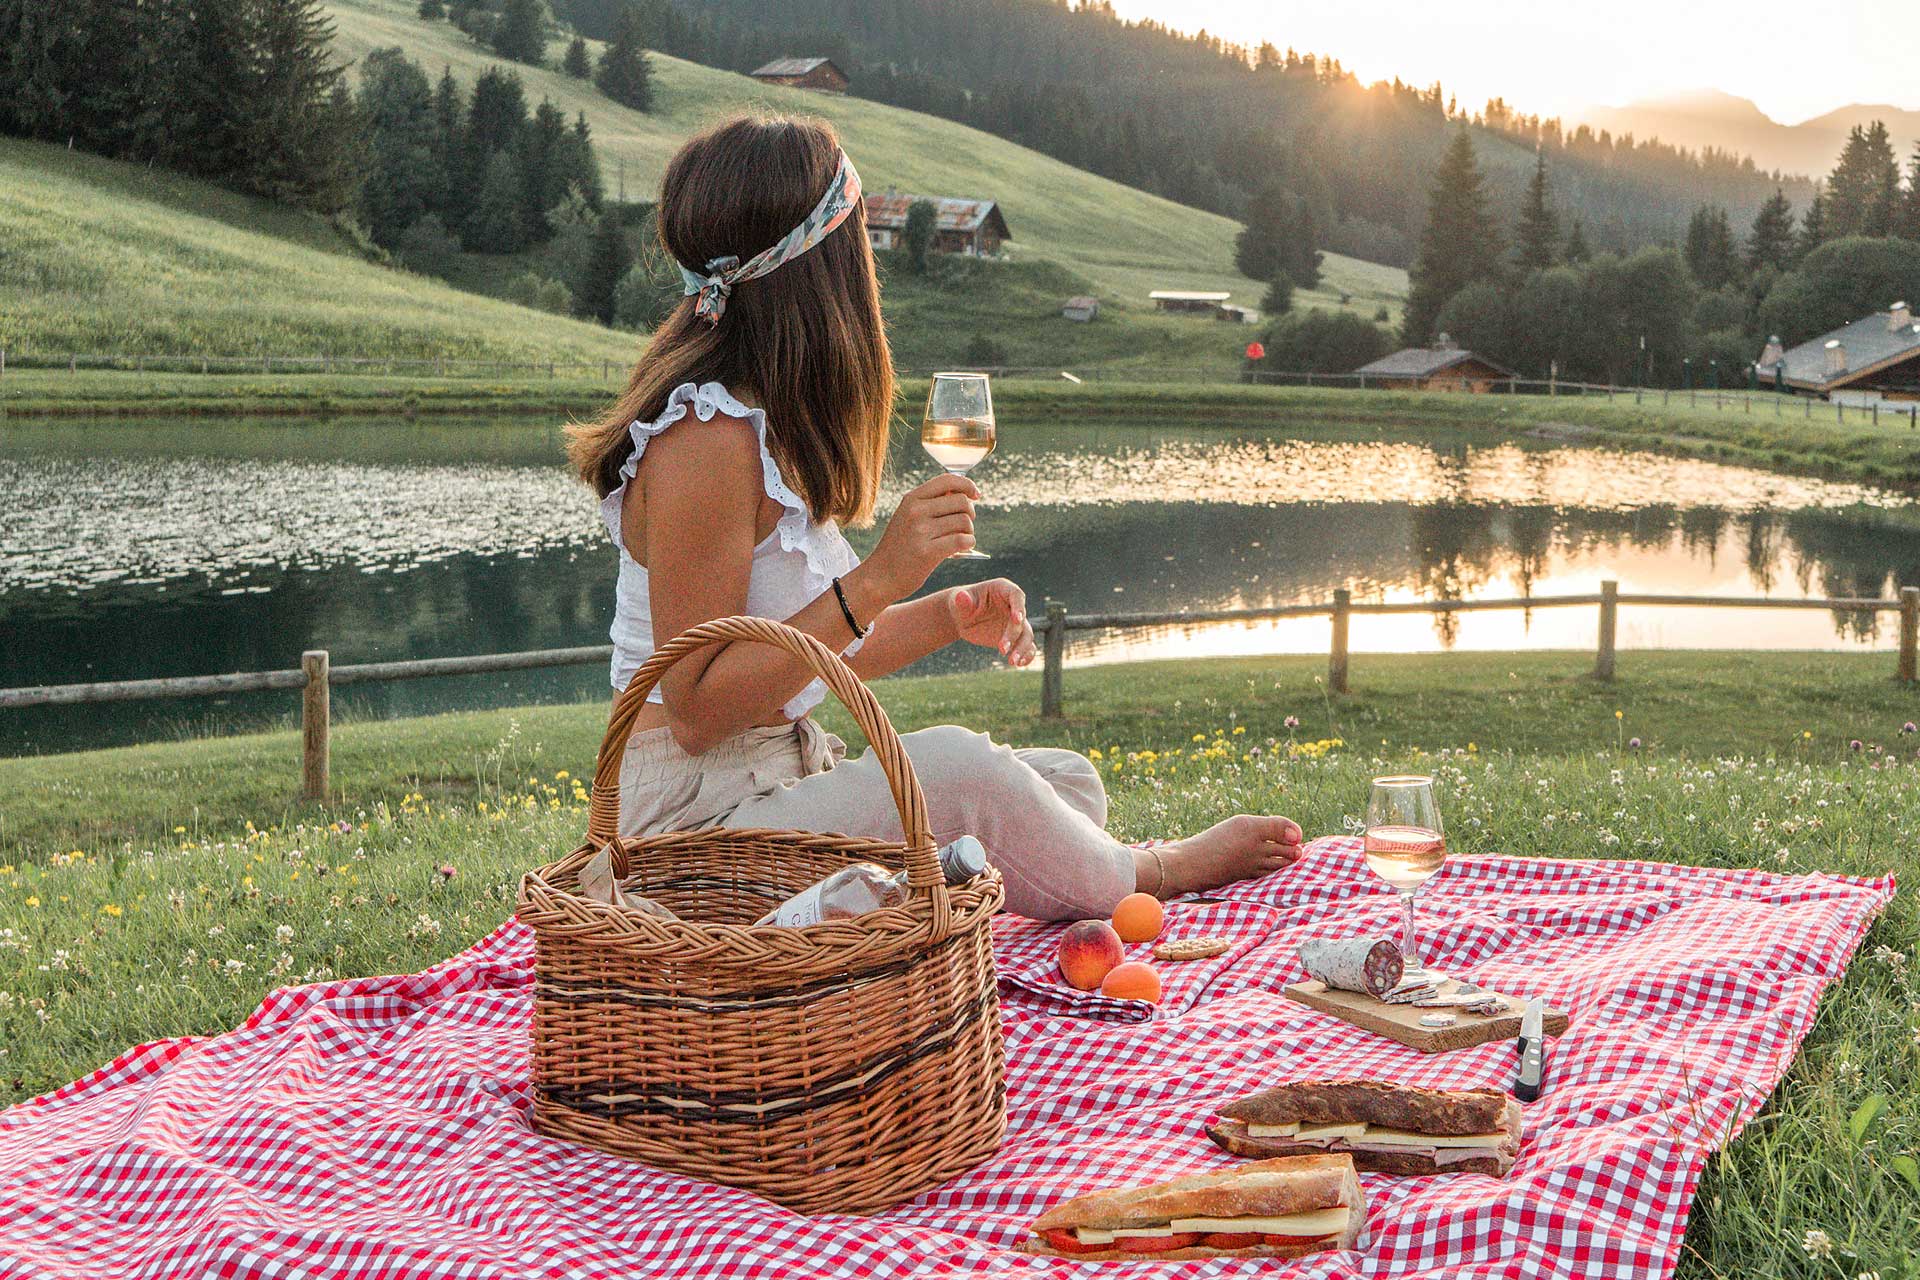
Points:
804	73
960	225
1877	357
1441	367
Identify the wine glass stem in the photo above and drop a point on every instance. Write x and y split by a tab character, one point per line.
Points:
1409	940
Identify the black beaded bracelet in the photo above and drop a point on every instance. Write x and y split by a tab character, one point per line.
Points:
846	611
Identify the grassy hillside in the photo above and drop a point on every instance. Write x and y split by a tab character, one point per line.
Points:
104	256
1124	242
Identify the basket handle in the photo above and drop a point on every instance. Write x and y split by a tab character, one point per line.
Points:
603	818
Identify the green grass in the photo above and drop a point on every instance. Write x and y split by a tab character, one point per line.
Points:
103	256
106	941
1124	241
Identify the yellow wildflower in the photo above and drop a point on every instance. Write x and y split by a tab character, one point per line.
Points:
179	831
1618	714
246	882
1199	737
1094	754
562	776
110	909
1239	729
33	901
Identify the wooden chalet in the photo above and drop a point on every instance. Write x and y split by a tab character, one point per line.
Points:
1083	308
976	228
804	73
1207	301
1875	358
1441	367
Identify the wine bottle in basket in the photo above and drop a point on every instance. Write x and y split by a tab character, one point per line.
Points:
860	887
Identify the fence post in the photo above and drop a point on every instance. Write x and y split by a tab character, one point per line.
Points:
1054	650
3	362
1909	634
1337	655
1609	625
316	729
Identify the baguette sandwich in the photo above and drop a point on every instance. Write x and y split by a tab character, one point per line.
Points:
1386	1128
1283	1208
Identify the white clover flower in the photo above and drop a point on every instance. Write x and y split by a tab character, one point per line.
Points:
236	966
283	934
1817	1243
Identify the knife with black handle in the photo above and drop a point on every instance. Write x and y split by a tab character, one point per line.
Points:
1533	1047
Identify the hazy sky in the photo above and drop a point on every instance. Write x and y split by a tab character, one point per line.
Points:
1554	56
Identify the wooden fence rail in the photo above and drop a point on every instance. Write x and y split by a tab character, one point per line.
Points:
316	676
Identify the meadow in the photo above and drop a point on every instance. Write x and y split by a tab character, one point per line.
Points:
108	937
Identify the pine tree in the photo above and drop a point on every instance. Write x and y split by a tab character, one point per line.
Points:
520	33
396	106
1280	236
1813	227
1576	251
596	293
577	64
1909	222
1864	186
624	74
289	123
457	179
577	168
1770	242
1459	245
432	10
494	226
1537	237
1711	254
922	219
1278	299
541	145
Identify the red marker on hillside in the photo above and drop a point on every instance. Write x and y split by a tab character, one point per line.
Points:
1255	351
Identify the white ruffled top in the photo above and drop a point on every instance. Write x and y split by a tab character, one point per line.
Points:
791	566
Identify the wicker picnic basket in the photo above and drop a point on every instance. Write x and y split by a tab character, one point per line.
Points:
843	1067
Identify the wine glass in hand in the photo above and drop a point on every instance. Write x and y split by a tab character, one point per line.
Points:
1405	846
958	428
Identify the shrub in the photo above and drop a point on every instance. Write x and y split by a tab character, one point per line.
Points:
427	245
982	350
542	293
1319	341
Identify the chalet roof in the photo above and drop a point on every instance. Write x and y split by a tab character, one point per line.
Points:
794	66
1869	345
888	209
1424	362
1188	295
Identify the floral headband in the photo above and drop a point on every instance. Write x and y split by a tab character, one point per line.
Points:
842	198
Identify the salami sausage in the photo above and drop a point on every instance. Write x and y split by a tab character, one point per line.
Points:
1369	965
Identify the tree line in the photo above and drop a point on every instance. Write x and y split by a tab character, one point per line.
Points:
520	30
1531	294
243	92
1204	121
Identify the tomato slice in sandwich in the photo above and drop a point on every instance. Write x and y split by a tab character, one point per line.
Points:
1157	1244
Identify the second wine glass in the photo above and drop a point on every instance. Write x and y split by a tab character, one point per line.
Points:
957	431
1406	846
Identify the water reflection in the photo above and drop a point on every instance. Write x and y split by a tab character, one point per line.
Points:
223	547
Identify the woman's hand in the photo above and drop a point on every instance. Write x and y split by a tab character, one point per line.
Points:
993	615
931	523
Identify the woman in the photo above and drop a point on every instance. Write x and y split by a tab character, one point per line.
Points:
752	429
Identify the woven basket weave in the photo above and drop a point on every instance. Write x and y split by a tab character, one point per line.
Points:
843	1067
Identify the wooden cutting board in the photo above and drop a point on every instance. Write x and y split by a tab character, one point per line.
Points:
1402	1022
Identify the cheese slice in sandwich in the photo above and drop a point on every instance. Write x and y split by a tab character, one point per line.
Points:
1287	1207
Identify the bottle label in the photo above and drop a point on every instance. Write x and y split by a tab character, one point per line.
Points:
800	910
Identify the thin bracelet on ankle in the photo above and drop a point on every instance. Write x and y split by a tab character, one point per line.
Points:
846	611
1160	886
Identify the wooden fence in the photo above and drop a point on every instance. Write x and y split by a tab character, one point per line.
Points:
317	676
610	371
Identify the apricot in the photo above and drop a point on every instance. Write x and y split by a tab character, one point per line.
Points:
1134	980
1088	952
1138	918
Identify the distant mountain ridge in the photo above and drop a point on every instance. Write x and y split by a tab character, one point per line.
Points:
1710	118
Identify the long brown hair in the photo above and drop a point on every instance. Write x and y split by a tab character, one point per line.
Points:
806	340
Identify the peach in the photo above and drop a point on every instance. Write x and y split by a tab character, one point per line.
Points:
1134	980
1138	918
1088	952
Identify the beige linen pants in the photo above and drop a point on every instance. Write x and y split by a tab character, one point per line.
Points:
1040	812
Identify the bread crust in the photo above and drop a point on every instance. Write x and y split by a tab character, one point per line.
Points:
1317	1180
1231	1136
1391	1106
1041	1248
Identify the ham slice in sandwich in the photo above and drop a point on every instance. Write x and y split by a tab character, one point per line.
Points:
1386	1128
1283	1208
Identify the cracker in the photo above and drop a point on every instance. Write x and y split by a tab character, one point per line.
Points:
1192	948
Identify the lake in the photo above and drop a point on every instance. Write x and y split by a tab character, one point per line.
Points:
134	549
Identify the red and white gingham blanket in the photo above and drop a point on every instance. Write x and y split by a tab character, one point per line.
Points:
378	1127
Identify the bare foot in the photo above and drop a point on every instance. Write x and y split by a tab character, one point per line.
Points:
1239	848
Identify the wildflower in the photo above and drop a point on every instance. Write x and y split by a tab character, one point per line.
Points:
447	871
33	901
1633	744
562	776
111	909
1910	727
1855	745
1199	737
284	934
1239	729
179	831
1292	722
215	930
1805	734
235	966
1618	714
1817	1243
